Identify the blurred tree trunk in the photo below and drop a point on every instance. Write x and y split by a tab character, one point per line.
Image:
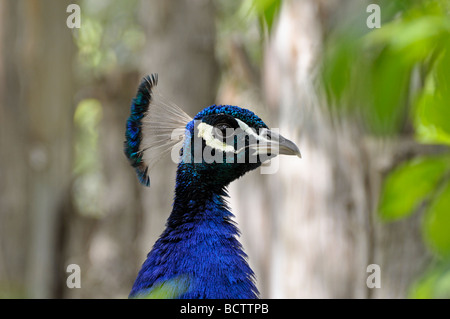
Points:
325	231
36	137
13	178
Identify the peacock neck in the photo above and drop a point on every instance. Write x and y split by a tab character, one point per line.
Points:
198	194
200	206
201	227
198	252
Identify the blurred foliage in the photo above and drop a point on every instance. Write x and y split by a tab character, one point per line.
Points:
396	79
437	222
109	40
434	284
265	11
87	162
410	184
87	117
110	37
432	112
368	72
242	29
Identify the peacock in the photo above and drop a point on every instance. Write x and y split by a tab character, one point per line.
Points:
198	254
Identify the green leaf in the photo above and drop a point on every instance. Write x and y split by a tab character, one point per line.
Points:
432	110
437	223
431	119
387	94
409	185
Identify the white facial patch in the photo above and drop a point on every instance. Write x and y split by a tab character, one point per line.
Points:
260	144
205	131
247	129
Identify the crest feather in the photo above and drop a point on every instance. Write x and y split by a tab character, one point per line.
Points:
154	127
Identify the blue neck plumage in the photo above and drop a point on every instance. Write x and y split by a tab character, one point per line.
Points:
198	255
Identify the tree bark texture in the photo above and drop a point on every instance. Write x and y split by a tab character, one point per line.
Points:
37	107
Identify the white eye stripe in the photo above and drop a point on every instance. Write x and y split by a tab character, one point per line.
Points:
247	129
242	125
205	131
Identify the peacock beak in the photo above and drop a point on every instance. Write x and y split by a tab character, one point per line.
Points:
284	146
271	142
268	142
287	147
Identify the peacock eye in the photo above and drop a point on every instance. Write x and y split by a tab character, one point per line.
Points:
223	130
265	133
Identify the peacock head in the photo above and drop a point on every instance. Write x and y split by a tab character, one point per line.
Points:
223	142
218	145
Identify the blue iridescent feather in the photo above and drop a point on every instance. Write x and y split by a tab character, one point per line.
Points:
133	134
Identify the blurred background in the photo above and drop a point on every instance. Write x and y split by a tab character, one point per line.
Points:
364	91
